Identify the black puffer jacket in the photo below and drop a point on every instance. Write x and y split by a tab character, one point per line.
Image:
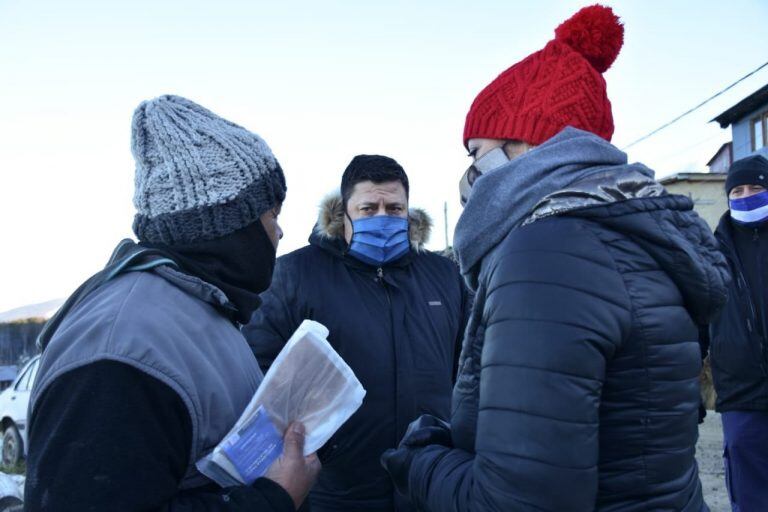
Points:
738	346
578	387
399	328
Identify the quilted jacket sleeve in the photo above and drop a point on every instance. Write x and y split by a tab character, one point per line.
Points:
554	313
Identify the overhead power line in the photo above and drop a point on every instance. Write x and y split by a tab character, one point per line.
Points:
657	130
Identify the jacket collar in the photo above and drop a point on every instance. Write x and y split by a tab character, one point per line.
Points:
196	287
603	188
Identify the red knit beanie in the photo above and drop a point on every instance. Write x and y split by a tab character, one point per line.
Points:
561	85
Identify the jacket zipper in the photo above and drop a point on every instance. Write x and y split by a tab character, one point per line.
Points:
741	284
759	319
380	279
760	284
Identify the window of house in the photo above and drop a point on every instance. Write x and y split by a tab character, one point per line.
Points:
759	131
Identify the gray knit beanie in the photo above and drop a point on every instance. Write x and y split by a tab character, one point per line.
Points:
198	176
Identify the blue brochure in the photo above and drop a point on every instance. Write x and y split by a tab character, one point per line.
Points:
254	447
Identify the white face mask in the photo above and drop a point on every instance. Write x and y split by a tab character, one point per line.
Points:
488	162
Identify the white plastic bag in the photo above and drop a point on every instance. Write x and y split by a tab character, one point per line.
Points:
308	382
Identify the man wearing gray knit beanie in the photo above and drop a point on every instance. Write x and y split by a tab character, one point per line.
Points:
144	369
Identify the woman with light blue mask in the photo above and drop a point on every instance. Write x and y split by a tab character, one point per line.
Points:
578	377
739	339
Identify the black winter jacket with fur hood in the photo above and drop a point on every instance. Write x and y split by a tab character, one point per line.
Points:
399	328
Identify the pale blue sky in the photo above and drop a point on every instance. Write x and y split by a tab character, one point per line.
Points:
321	82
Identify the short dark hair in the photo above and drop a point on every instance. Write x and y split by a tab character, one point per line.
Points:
375	168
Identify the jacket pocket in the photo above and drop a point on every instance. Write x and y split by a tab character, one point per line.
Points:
434	332
736	349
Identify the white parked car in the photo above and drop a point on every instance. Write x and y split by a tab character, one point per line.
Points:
14	403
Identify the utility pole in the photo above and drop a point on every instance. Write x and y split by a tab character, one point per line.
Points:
445	221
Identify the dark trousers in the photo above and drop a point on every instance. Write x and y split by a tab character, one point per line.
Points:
745	455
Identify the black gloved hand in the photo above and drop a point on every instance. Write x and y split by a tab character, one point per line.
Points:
398	464
426	430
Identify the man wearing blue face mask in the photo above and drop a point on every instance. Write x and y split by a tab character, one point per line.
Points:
395	312
739	347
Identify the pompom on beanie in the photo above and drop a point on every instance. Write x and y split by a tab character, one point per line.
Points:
558	86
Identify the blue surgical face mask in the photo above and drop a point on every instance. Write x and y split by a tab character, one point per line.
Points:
750	211
379	240
491	160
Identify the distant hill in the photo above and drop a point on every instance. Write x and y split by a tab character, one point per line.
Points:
44	310
19	328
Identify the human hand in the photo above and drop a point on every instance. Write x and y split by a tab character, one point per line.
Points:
398	464
426	430
292	470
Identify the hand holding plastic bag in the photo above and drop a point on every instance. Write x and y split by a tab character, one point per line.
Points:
307	383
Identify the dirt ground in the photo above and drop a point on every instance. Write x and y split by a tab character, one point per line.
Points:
709	453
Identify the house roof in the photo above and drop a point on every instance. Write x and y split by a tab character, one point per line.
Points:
693	176
719	151
746	106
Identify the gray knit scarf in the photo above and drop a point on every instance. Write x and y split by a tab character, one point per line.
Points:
574	169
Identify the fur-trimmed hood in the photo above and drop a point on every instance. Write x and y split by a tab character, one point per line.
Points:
330	222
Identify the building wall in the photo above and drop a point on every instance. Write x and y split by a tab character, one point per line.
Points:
742	136
742	139
722	163
709	198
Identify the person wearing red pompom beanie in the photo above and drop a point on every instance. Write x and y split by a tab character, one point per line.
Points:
578	379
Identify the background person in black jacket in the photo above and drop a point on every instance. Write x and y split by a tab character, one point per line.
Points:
578	384
395	314
739	348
